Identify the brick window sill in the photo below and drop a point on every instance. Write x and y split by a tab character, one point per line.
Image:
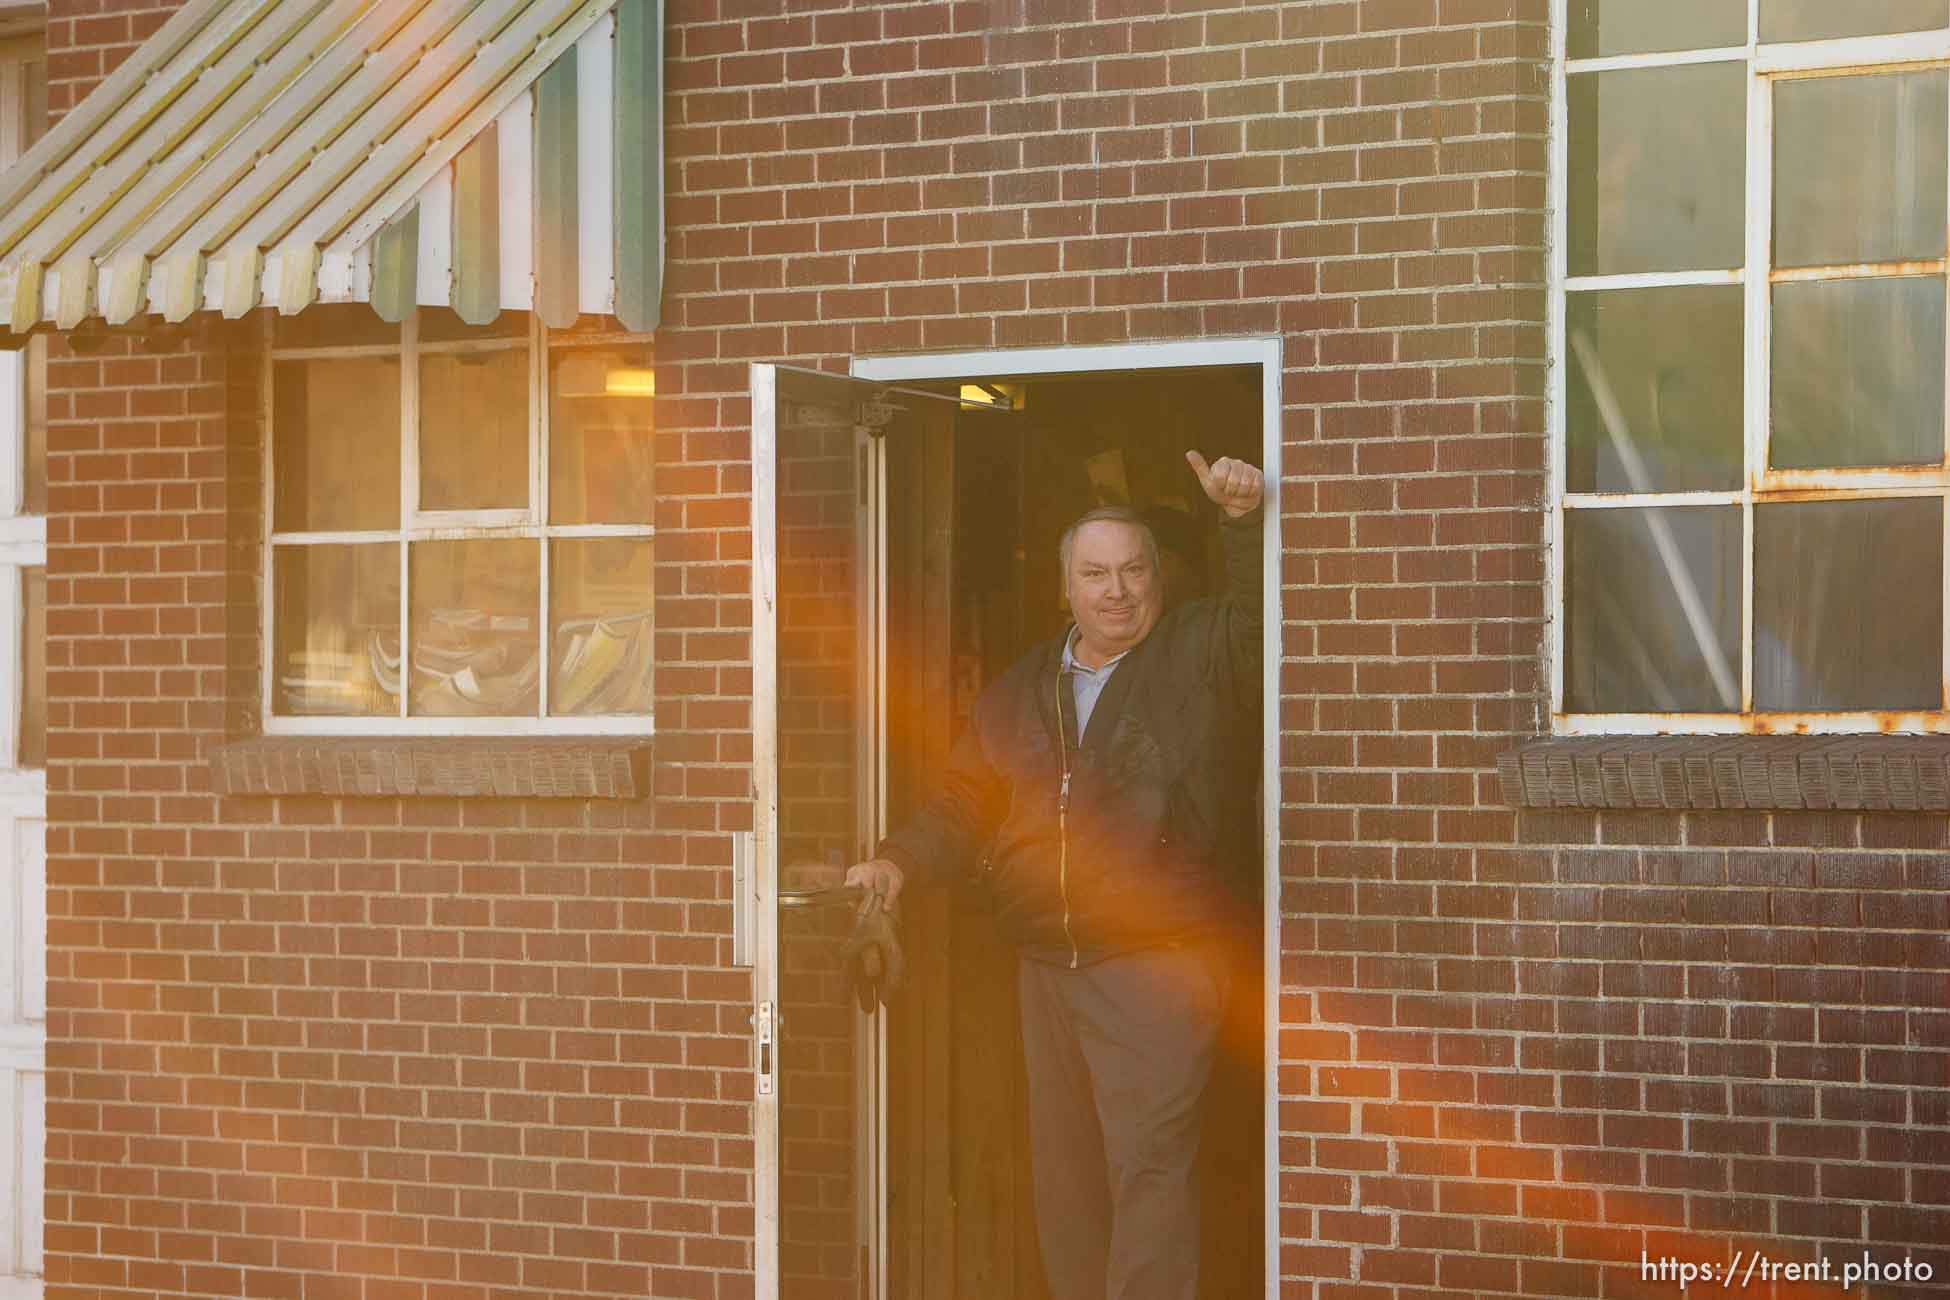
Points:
604	767
1853	773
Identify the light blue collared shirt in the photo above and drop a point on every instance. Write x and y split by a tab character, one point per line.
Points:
1088	682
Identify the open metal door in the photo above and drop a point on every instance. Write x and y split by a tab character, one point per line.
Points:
818	709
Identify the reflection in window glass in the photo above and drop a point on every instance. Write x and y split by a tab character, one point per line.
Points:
335	426
442	325
474	430
336	648
31	744
1652	610
1858	373
1859	168
1656	169
333	325
1654	392
1600	27
600	594
1818	20
1848	605
602	436
476	643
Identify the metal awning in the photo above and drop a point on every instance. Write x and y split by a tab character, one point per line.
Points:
478	154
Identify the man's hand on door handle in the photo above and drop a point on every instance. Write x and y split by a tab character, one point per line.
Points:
878	876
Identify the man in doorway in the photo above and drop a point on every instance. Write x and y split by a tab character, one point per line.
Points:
1106	786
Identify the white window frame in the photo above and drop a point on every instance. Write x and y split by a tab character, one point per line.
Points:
1766	66
23	791
529	522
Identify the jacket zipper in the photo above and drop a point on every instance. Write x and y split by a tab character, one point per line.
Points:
1063	824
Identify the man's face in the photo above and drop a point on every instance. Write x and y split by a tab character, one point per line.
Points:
1114	589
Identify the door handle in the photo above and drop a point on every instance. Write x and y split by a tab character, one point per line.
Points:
829	896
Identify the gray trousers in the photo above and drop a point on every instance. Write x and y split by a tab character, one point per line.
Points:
1118	1054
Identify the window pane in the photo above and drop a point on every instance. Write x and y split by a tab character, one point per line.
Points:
335	429
1652	610
1817	20
1859	169
602	436
1646	26
1657	161
333	325
1848	605
1655	377
31	744
441	325
600	593
336	630
1858	373
474	430
475	640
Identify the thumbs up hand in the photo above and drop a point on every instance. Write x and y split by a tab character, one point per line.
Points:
1233	485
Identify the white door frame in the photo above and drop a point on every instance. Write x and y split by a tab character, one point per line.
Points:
758	897
1266	352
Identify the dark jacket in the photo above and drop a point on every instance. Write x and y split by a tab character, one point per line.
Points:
1159	839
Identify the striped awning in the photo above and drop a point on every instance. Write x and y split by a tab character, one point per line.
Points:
478	154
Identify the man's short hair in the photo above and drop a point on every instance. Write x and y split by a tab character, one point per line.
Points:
1108	515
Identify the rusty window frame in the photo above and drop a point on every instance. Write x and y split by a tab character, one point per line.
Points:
418	525
1766	67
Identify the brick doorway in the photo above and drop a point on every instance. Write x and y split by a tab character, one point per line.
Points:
973	514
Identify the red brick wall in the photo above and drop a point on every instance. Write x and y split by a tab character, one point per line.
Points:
460	1044
88	39
381	1047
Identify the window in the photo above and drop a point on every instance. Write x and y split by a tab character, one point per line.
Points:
460	526
1748	410
23	460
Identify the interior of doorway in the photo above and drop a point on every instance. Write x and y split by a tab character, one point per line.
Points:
974	511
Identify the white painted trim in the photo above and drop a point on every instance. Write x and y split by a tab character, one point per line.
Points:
23	790
29	1000
1657	59
1639	501
23	821
765	812
1858	271
409	477
1755	324
1849	484
1266	352
538	467
455	532
596	168
875	1113
434	268
1177	354
33	1177
1556	482
1644	279
515	130
23	530
12	666
565	727
1852	52
465	525
503	343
